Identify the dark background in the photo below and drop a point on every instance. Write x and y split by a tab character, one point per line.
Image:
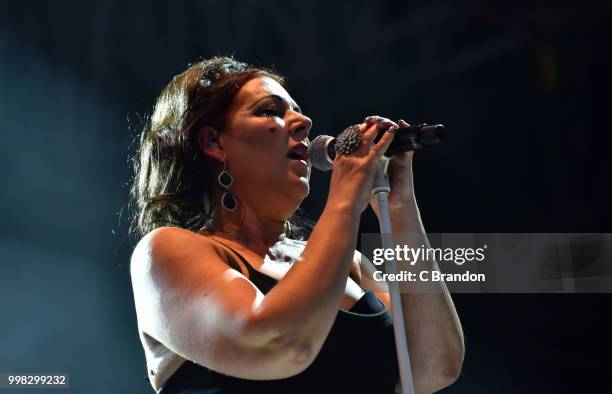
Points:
523	88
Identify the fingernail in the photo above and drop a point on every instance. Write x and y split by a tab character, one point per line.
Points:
391	129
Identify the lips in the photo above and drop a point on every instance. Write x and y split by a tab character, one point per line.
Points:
298	152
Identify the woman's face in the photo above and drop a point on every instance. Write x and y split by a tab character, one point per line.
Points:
264	144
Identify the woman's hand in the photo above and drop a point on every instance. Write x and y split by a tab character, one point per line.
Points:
353	174
399	171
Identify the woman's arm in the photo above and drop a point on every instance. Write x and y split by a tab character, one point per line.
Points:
433	330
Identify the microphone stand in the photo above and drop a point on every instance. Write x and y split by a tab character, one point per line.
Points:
381	190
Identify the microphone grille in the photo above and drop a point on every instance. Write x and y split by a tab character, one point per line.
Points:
317	153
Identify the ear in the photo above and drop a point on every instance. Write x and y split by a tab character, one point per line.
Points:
208	141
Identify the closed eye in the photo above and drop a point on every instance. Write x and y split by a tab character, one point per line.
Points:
271	112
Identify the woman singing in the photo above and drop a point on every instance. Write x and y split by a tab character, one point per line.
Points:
227	299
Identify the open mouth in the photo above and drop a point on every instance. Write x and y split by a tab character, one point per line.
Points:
299	152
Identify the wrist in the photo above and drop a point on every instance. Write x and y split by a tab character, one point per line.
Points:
342	208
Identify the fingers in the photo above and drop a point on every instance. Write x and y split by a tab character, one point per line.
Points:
376	125
402	123
383	123
369	133
383	144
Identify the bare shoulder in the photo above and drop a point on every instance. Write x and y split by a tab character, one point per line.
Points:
165	244
176	272
173	260
163	240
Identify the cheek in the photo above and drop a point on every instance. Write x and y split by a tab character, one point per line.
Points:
258	148
265	148
266	132
258	157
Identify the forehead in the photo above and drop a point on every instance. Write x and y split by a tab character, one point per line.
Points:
258	88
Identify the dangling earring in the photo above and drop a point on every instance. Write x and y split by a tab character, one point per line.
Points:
228	201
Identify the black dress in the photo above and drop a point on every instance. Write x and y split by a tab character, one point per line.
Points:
358	357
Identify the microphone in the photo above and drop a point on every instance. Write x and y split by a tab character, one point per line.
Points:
322	153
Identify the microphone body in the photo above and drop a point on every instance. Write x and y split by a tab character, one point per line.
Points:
322	150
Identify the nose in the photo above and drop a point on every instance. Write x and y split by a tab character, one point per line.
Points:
300	127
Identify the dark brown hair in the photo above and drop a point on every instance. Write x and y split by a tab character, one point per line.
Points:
173	182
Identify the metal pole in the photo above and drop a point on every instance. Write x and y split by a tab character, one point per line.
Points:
381	190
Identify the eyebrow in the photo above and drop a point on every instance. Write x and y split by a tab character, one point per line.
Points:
276	97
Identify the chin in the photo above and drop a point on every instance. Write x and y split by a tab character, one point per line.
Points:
297	192
305	182
304	186
295	188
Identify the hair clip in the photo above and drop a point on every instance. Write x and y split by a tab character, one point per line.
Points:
230	68
204	82
208	78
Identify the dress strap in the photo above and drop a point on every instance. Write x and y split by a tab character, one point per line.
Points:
263	282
